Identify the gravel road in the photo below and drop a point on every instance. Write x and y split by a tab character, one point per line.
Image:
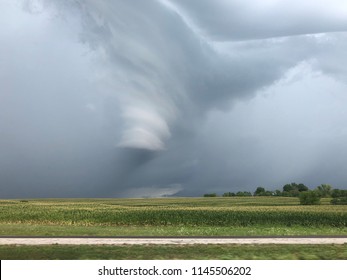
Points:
168	241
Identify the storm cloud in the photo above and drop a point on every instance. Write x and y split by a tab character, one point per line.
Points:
154	98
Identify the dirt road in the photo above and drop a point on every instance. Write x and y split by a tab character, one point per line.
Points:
168	241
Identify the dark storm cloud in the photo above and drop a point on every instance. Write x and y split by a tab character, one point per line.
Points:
259	19
120	98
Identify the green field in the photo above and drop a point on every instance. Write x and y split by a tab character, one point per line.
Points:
231	216
171	216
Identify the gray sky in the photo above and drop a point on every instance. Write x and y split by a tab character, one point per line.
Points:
171	97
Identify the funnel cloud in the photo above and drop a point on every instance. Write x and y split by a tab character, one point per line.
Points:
170	97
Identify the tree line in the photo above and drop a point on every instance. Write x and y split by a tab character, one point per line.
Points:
301	191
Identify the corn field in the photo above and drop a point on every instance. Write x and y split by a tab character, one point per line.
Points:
162	212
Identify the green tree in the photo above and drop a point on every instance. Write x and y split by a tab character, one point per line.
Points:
339	197
210	195
278	193
259	191
289	187
243	194
309	198
302	188
339	200
294	189
338	193
228	194
269	193
324	190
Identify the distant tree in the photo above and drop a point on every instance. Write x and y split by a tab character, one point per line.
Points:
286	194
294	189
339	200
210	195
339	197
309	198
278	193
243	194
259	191
269	193
324	190
302	188
289	187
228	194
338	193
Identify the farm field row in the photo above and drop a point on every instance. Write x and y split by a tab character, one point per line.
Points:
171	216
166	202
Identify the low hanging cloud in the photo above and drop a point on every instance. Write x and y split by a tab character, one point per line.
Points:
147	130
120	98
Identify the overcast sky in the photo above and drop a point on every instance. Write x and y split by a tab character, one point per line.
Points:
171	97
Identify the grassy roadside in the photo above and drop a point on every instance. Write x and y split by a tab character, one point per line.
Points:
76	230
167	252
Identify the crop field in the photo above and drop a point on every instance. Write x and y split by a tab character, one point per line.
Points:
169	216
231	216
